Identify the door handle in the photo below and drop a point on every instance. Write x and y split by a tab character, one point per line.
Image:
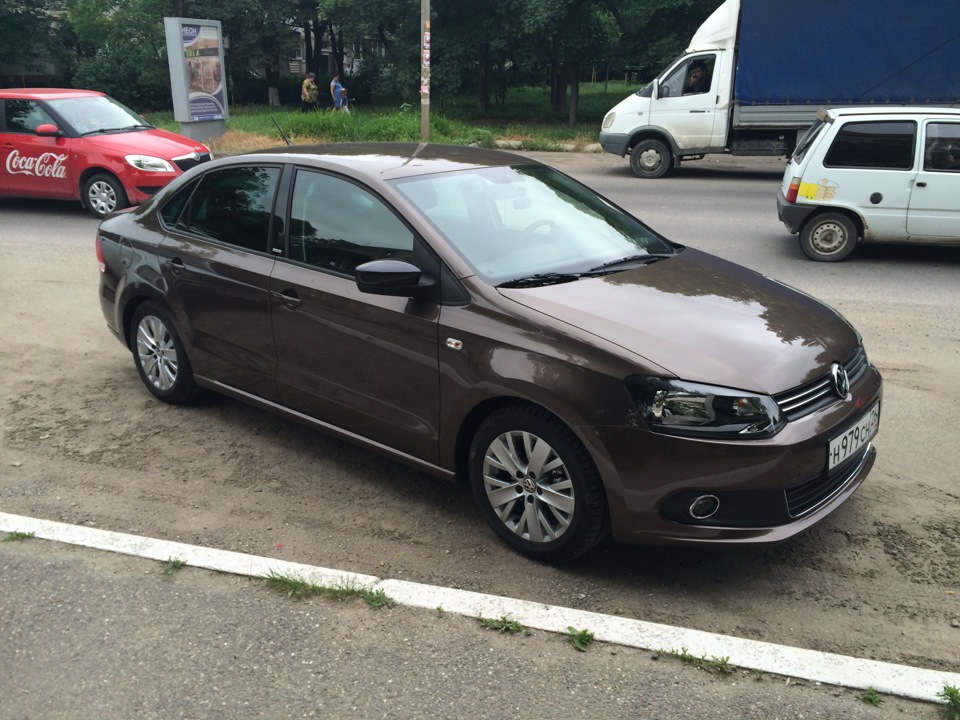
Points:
698	111
176	265
921	184
288	298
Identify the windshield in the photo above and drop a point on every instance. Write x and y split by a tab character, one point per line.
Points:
96	114
516	222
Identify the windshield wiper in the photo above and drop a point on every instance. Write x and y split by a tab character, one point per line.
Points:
127	128
611	266
540	279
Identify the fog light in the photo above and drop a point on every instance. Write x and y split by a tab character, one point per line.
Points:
704	507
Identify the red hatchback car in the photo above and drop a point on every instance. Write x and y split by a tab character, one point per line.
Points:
70	144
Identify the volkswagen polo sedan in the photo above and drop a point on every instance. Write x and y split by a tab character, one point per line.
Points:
479	315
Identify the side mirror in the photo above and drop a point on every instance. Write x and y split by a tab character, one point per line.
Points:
661	90
48	130
392	277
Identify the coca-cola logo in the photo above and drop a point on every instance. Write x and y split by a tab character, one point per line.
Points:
48	165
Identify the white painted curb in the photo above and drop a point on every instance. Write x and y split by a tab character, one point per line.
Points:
901	680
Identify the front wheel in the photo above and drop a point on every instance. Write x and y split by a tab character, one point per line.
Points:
537	485
103	194
650	159
829	237
160	357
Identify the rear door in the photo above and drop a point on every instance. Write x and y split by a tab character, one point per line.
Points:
934	213
31	165
364	363
217	262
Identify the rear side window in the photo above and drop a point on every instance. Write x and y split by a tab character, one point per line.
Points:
807	140
233	205
881	145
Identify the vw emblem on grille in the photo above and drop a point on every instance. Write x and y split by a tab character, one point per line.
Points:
841	384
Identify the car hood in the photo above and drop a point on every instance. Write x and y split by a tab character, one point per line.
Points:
156	142
705	320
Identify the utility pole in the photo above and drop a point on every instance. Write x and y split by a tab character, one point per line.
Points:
425	70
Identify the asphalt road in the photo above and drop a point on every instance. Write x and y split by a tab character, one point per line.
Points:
878	579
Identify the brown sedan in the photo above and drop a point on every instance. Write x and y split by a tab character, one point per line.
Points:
480	315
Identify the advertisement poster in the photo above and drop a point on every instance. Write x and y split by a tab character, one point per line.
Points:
201	53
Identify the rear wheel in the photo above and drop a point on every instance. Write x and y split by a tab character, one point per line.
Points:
650	159
829	237
160	357
536	484
103	193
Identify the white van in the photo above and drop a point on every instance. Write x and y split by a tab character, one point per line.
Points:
868	175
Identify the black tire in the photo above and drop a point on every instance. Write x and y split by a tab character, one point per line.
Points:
102	194
526	465
159	355
828	237
651	159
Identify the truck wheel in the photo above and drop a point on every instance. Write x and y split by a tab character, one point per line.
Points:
103	194
650	159
829	237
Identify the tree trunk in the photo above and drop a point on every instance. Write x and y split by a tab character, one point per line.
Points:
483	81
573	77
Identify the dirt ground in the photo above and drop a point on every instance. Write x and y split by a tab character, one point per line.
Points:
81	441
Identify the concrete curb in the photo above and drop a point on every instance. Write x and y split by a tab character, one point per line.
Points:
827	668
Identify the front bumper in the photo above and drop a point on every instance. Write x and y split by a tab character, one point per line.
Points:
615	143
656	476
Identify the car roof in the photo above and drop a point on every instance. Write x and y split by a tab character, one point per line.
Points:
393	160
46	93
926	111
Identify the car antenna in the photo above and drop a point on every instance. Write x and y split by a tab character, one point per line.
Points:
280	130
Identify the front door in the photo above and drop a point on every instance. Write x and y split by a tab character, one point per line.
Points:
686	102
364	363
934	212
31	165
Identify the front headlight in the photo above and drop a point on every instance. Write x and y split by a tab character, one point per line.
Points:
150	164
608	119
685	408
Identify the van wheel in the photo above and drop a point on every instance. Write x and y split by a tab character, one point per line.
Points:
537	485
829	237
650	159
103	194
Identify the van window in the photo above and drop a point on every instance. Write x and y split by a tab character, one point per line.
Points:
693	77
887	145
942	150
807	140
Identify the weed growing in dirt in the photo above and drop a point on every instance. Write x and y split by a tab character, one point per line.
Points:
721	665
951	696
299	589
16	535
871	697
503	625
581	639
172	565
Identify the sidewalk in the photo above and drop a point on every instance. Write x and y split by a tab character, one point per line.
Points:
102	635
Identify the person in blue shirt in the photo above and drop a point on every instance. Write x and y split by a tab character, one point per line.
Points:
336	91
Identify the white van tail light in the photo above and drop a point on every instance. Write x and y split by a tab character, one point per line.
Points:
793	190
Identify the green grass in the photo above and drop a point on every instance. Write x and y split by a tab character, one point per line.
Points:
871	697
951	696
523	117
714	665
580	639
503	625
172	565
299	589
16	535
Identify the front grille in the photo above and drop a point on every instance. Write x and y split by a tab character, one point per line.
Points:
803	400
188	161
806	497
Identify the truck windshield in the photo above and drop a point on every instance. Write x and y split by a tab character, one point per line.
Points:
807	140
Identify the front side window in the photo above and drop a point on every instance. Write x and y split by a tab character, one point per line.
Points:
233	205
693	77
885	145
24	116
337	225
942	147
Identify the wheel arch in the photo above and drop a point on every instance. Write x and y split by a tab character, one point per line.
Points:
89	172
653	132
853	215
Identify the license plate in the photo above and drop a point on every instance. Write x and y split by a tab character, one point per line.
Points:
854	438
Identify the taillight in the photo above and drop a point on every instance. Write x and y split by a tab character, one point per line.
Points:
103	267
793	190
